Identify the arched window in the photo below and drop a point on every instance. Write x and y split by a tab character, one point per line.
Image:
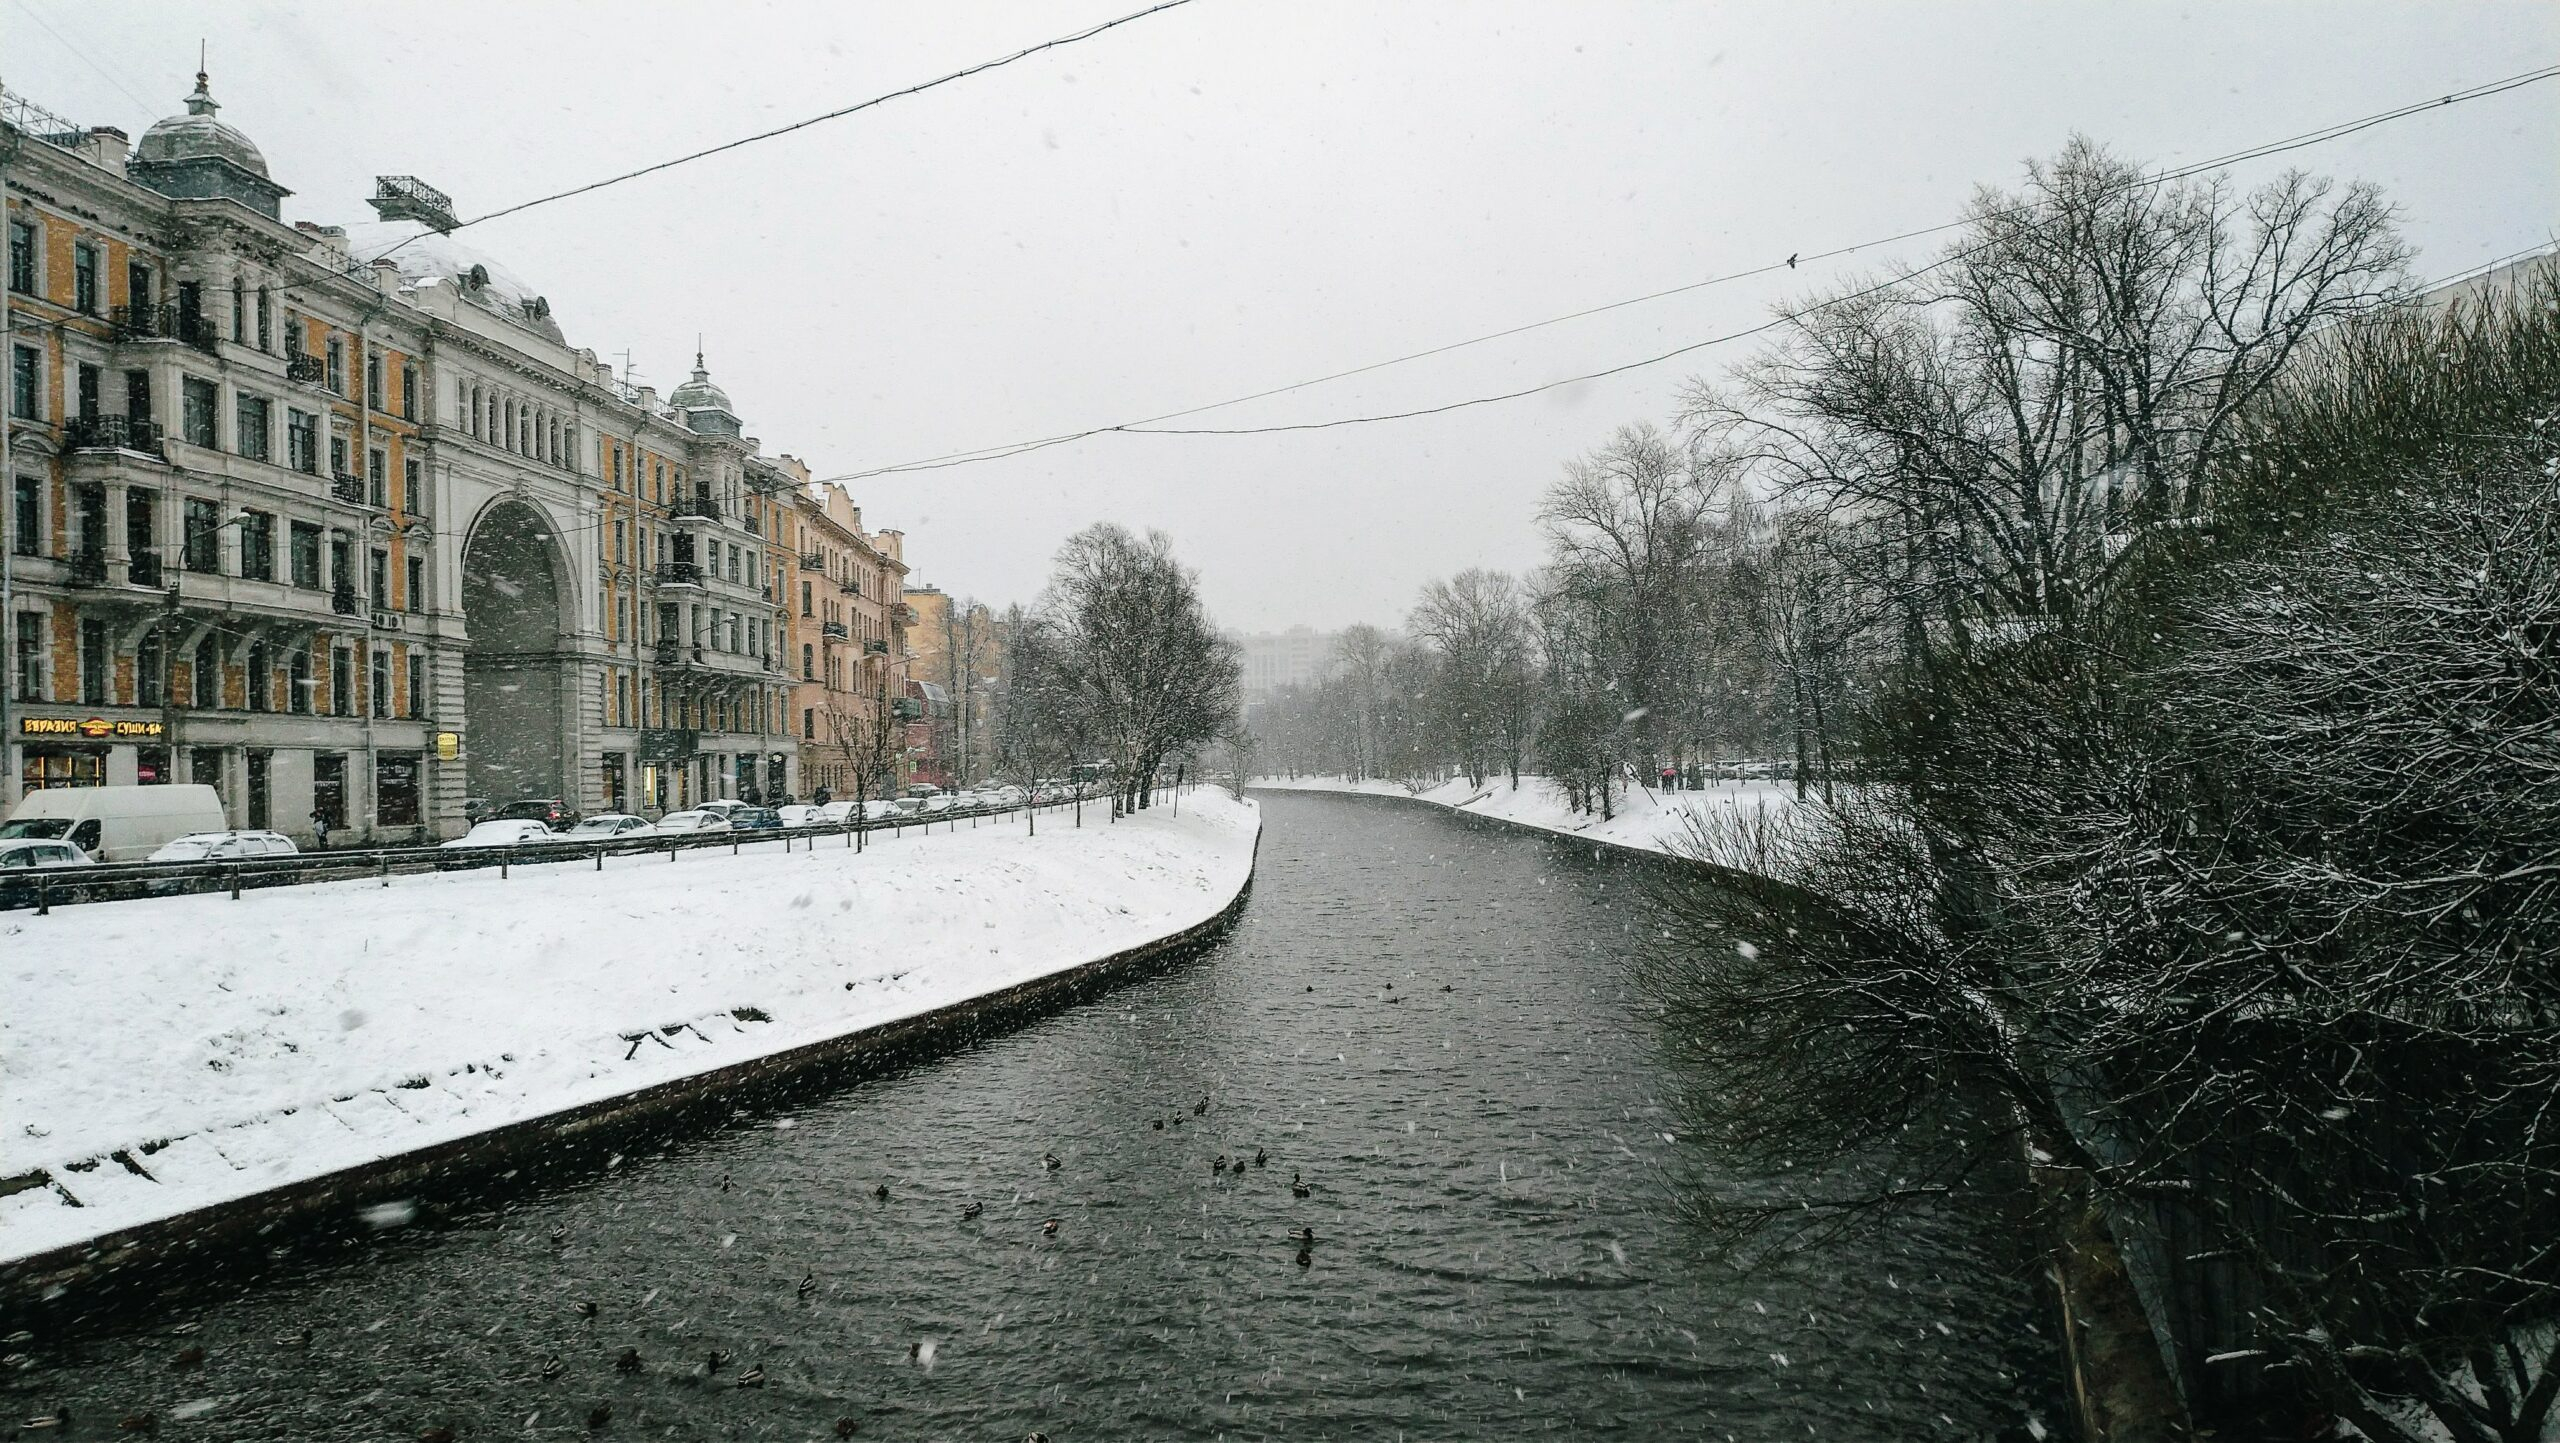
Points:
808	662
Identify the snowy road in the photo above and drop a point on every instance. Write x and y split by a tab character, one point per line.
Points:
163	1054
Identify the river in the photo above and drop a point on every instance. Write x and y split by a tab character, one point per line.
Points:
1429	1022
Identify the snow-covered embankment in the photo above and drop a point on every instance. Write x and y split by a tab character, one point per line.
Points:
1645	821
165	1056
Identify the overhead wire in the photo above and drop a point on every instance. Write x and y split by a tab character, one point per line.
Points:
838	114
1149	425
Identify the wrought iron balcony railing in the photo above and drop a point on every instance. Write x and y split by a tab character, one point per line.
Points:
114	433
678	573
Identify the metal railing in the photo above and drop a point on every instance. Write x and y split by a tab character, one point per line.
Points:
309	370
342	600
678	573
164	323
349	489
48	887
113	433
698	507
813	560
833	630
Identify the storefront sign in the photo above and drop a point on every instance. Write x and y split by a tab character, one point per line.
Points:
448	745
96	728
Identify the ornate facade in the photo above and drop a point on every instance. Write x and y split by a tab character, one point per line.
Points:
336	520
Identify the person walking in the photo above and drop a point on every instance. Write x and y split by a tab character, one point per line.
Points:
320	828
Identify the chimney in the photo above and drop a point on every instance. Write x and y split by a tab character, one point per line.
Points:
386	274
104	147
895	543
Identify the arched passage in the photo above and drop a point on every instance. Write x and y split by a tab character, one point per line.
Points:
513	689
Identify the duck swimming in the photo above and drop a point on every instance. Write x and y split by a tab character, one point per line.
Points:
972	1210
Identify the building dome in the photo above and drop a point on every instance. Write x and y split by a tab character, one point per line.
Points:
196	157
196	136
705	406
429	257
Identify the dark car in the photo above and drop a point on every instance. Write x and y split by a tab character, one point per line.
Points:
754	819
551	812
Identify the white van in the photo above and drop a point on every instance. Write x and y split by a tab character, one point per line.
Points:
117	824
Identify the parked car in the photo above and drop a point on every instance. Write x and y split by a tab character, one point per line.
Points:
755	819
22	857
800	814
833	814
722	806
674	823
552	812
115	824
605	825
225	847
510	832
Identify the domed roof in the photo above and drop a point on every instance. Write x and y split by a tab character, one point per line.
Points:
430	257
699	394
196	135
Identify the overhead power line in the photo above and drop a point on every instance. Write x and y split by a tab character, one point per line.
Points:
1149	426
780	130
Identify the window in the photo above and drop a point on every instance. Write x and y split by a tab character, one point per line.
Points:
22	257
28	673
207	679
266	312
84	278
338	457
413	489
377	574
203	535
616	455
804	596
408	391
342	682
262	678
395	789
137	285
137	395
24	397
620	533
197	399
302	441
417	682
93	661
337	350
809	723
239	309
298	685
250	434
380	668
91	381
26	523
306	556
257	546
147	661
377	475
808	662
416	597
621	617
373	379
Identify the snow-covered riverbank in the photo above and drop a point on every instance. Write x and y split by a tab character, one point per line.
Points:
161	1056
1646	821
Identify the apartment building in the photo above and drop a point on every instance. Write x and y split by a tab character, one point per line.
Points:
335	519
847	634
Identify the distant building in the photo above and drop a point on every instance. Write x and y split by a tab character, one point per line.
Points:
1275	659
844	636
958	655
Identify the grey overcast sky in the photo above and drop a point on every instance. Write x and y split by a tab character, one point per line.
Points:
1235	195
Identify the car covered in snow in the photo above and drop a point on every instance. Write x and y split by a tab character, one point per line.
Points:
723	807
509	832
607	825
225	847
755	819
800	814
698	820
22	857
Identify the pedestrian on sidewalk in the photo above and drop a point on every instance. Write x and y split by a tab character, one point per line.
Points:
320	829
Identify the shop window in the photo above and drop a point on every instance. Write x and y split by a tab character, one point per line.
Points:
151	767
395	789
43	767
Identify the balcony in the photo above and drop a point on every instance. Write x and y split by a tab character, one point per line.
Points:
114	433
144	569
308	370
907	708
850	586
813	561
349	489
85	568
902	614
343	600
164	323
678	573
700	507
834	631
875	647
669	652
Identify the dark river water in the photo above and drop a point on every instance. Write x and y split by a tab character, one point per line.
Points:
1431	1023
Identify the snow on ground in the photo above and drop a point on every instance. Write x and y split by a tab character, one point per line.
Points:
1647	820
226	1047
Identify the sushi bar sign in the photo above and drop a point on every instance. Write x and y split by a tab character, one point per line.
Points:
94	729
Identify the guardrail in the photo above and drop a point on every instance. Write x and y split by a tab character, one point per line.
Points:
45	888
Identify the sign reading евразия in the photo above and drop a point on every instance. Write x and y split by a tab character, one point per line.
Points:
96	728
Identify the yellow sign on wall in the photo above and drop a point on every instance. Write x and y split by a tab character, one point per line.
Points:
448	745
96	728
